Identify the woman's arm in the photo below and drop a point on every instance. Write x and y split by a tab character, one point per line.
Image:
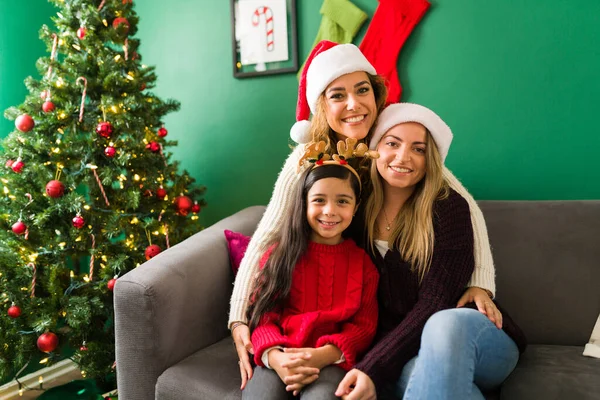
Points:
263	236
484	275
451	266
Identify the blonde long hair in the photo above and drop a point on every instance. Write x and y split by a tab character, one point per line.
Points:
412	232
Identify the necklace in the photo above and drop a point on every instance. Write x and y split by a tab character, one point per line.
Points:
388	225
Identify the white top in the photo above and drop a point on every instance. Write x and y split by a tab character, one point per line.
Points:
382	246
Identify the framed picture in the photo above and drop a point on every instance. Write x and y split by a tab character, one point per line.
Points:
263	35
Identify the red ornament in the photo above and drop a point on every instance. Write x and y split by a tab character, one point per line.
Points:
19	227
104	129
78	221
148	192
143	87
17	166
83	347
55	189
152	251
44	94
47	342
183	204
111	284
119	21
48	106
161	193
14	311
81	32
9	163
24	123
110	151
153	147
162	132
196	207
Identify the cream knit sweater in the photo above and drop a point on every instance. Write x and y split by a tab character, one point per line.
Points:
483	276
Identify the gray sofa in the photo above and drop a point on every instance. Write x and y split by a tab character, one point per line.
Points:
171	312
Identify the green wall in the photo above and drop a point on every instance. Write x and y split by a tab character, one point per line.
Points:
517	81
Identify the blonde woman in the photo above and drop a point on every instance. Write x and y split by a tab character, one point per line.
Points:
419	232
343	92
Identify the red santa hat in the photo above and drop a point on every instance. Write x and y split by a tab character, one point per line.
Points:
399	113
327	62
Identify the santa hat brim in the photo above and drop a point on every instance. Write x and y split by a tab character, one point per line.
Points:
399	113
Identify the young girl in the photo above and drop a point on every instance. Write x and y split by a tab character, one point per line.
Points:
314	307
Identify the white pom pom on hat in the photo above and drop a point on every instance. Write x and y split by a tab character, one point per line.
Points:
399	113
327	62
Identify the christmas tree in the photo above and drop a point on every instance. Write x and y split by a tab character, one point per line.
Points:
87	192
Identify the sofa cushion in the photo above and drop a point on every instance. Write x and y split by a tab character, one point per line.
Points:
211	373
237	243
546	255
553	372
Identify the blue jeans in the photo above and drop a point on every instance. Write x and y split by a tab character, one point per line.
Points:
462	353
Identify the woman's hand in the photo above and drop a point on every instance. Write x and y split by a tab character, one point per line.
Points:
364	388
484	303
293	369
243	346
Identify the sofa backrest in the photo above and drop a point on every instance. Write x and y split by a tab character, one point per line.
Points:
547	257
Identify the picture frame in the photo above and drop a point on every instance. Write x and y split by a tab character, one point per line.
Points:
264	37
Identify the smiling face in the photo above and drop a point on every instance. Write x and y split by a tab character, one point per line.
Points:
330	205
350	106
402	150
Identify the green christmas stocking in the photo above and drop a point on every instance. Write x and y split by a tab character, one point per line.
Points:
340	22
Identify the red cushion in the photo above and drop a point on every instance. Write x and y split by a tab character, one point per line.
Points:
237	244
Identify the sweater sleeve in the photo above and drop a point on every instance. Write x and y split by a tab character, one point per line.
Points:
264	234
357	334
451	265
484	275
267	335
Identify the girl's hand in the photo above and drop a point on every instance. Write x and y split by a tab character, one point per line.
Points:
243	346
313	357
364	388
484	303
292	371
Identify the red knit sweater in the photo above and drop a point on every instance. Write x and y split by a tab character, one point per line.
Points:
333	300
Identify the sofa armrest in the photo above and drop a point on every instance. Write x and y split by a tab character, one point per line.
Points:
174	305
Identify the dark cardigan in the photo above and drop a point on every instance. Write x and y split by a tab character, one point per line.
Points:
405	306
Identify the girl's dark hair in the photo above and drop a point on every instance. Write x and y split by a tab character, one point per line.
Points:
274	281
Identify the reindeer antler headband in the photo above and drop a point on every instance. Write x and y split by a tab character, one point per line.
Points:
315	154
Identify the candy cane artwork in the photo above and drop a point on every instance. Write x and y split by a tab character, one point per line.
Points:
269	24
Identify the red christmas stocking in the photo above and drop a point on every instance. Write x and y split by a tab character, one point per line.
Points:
391	25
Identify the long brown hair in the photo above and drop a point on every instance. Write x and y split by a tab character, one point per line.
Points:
274	281
412	232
